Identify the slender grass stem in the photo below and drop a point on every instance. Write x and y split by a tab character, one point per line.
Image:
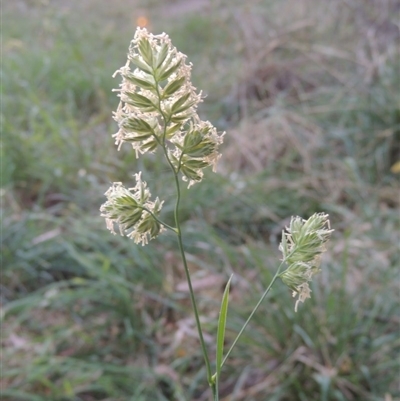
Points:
189	281
178	232
254	310
174	229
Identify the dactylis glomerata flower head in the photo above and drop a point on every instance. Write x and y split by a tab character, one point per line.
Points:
302	245
158	107
134	212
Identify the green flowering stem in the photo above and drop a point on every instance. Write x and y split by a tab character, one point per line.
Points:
189	281
256	308
174	229
251	315
178	232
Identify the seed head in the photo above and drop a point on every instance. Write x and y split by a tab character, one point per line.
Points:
133	212
158	107
302	245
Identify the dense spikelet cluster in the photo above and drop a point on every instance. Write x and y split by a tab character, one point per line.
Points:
133	211
301	246
157	109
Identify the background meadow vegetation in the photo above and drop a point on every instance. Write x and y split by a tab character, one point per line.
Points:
308	92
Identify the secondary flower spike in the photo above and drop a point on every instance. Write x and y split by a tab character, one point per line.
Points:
133	212
302	245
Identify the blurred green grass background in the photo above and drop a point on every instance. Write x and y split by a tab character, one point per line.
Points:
308	92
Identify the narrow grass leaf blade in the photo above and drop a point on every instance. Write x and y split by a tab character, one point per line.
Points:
221	329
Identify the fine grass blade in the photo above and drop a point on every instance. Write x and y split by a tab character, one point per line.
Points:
221	330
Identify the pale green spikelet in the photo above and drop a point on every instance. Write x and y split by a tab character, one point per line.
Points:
301	246
133	211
